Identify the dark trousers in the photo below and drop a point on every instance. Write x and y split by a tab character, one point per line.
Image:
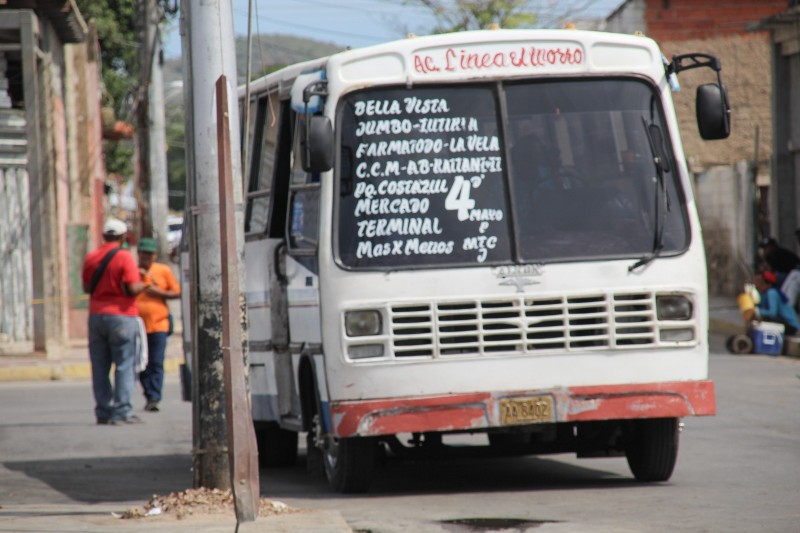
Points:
152	377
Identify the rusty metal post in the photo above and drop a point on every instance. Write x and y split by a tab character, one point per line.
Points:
242	450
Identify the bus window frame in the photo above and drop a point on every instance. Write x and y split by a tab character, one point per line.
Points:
296	187
257	185
499	87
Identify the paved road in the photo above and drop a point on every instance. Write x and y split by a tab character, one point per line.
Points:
737	472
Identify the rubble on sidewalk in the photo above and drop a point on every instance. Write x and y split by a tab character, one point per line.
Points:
200	501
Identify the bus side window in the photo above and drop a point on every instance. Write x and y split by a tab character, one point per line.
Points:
303	227
262	168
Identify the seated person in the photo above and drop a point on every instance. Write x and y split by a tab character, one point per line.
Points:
778	259
774	306
791	287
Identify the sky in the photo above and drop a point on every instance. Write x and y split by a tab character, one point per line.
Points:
358	23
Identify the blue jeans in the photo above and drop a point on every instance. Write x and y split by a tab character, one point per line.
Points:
152	377
112	340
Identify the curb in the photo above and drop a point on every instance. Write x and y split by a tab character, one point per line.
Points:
725	327
63	371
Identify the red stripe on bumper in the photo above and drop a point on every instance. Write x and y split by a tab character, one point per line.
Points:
480	410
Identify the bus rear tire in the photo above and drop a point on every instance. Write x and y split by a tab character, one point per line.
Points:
349	463
277	447
652	448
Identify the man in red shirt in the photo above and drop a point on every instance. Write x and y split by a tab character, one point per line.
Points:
111	277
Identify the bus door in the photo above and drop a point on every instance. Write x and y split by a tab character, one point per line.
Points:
273	388
301	266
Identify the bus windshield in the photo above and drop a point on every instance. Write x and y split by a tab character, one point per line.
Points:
504	173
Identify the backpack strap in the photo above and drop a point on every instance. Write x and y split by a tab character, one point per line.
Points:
101	268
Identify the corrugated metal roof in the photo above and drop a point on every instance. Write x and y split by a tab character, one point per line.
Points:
792	16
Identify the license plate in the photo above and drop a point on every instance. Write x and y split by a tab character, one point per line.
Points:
527	410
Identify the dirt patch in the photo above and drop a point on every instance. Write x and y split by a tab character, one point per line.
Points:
202	501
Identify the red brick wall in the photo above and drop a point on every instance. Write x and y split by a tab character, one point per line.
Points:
680	20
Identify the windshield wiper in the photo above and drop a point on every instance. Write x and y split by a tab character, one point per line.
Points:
656	141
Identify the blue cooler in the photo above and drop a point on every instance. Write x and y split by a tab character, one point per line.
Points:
767	338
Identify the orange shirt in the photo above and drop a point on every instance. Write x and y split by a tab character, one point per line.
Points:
109	298
154	310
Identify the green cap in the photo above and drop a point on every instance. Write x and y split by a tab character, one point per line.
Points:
148	245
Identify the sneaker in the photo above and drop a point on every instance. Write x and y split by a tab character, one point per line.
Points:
106	422
133	419
151	406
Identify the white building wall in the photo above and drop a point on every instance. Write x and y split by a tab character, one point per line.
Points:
724	196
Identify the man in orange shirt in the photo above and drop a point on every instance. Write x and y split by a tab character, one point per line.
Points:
110	277
159	286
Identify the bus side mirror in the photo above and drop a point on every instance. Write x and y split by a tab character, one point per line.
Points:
711	103
317	144
713	112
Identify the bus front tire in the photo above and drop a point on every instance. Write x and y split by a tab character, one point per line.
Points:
349	463
652	448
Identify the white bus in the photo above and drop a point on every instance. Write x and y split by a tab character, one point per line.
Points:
485	232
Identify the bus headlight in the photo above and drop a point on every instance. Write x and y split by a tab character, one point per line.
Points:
674	307
362	323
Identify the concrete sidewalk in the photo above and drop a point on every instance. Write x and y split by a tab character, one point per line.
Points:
18	362
724	316
104	517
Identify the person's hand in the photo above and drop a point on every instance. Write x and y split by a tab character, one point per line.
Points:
152	290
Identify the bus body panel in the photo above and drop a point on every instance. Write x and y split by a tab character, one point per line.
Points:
304	303
542	368
613	357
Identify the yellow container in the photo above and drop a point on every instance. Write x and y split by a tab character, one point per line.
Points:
746	306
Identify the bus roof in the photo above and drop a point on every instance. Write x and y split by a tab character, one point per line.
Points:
481	54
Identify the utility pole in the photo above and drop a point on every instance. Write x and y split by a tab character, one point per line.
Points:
143	121
208	53
159	190
151	137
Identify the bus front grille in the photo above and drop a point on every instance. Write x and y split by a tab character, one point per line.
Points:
523	325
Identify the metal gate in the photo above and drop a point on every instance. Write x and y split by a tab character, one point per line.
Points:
15	243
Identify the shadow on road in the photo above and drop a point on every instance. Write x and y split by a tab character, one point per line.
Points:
111	479
451	475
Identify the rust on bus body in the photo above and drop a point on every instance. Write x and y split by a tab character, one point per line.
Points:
460	412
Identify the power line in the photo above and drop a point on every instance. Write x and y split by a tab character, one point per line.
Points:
321	31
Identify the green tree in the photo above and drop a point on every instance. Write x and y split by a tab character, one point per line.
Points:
461	15
176	155
117	23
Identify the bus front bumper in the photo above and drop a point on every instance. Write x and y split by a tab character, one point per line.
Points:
483	410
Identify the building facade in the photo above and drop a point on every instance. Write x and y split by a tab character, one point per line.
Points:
50	165
735	180
784	31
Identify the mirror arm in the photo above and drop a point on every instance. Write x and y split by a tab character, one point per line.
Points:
317	88
698	60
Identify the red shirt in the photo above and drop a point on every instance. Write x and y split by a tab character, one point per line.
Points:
109	297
